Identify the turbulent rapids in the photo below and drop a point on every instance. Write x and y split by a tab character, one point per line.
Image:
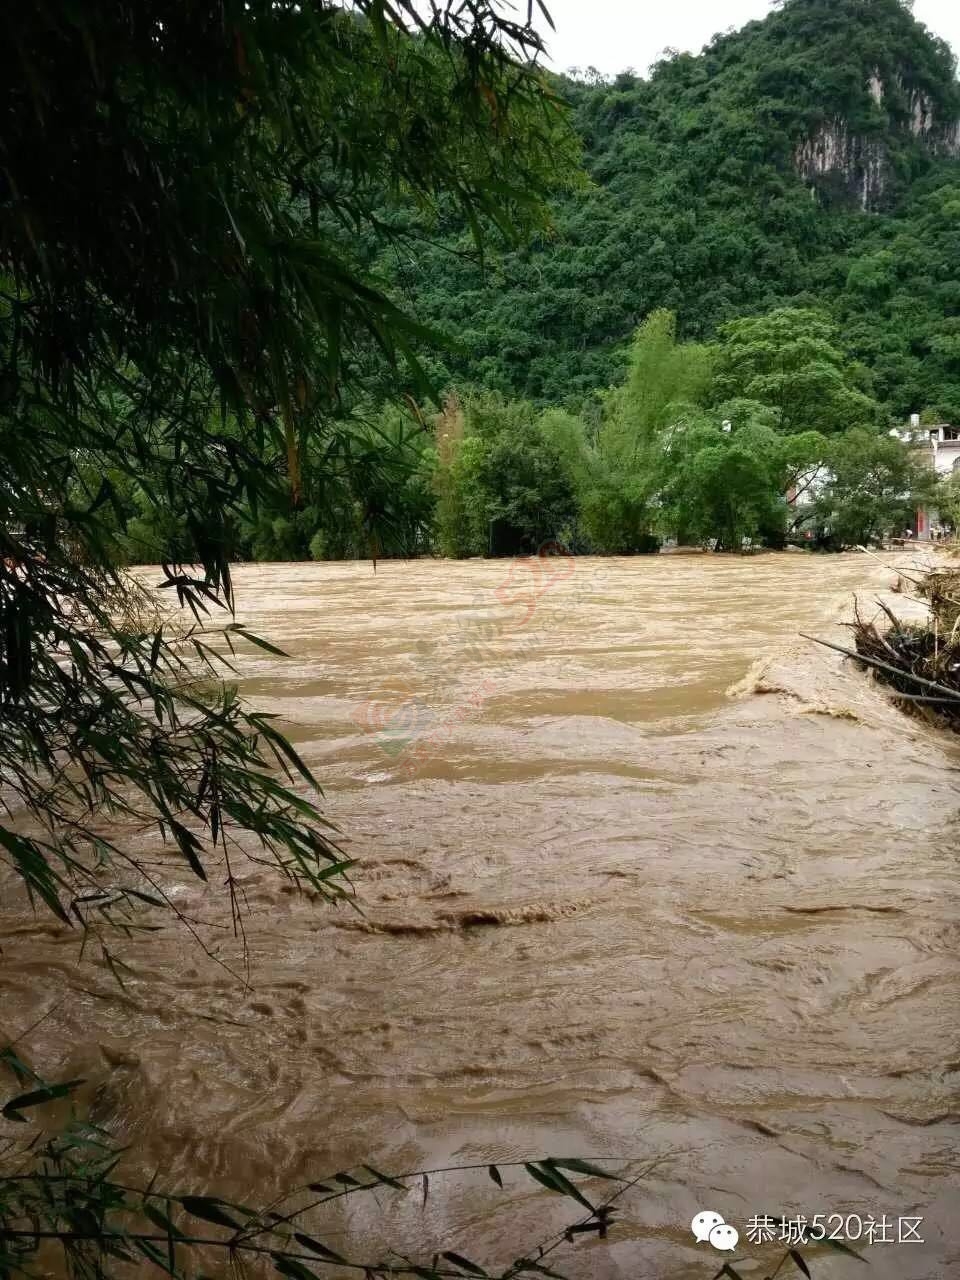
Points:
641	875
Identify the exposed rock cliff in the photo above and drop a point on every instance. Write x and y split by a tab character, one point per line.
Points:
834	158
839	161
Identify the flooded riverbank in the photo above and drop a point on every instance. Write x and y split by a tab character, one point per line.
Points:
642	876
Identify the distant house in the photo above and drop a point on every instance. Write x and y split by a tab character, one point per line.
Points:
941	444
802	497
809	486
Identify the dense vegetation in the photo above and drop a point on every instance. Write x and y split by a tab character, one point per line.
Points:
697	206
843	277
705	443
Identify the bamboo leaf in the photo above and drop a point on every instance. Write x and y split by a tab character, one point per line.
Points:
554	1180
583	1166
163	1220
189	846
801	1264
257	640
545	1178
35	870
566	1186
288	1266
209	1209
463	1263
316	1246
384	1178
48	1093
149	898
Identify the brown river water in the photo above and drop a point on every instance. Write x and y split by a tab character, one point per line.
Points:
643	877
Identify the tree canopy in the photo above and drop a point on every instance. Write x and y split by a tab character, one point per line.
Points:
723	445
789	359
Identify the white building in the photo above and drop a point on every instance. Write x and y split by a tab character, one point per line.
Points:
941	443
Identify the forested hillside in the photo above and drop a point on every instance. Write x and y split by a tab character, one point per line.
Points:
755	274
810	158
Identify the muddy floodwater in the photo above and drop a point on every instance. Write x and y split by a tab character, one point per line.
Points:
642	875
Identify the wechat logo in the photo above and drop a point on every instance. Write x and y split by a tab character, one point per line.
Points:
709	1227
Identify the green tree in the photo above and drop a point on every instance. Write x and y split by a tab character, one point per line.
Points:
722	486
523	473
507	463
877	484
367	493
616	515
948	500
663	379
789	359
661	375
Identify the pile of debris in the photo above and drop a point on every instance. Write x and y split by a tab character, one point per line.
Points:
942	589
920	662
